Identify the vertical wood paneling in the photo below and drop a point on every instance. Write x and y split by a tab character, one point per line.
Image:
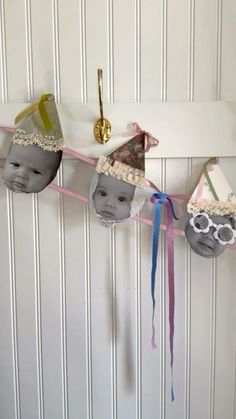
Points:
137	272
151	365
219	49
29	51
225	337
113	324
191	50
138	312
103	315
205	51
124	51
151	50
225	321
25	291
83	49
76	296
75	270
126	294
110	40
56	50
70	42
234	392
13	304
42	47
3	69
212	340
8	367
88	314
200	332
63	292
164	51
50	269
187	322
102	319
228	63
15	50
176	174
177	50
96	46
137	51
38	315
162	303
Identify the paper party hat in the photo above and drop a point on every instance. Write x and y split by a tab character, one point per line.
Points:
213	193
127	162
39	124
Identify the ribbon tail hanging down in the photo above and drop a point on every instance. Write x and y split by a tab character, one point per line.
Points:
155	241
159	199
170	251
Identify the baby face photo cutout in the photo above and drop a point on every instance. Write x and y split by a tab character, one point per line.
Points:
211	223
36	147
116	190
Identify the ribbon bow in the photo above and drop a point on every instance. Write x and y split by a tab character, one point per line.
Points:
134	129
159	199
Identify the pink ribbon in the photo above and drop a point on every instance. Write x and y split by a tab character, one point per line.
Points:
134	129
184	197
7	129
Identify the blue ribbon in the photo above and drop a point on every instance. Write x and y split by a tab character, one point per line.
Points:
161	198
158	199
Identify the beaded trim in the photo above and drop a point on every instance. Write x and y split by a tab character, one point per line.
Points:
120	171
46	142
211	207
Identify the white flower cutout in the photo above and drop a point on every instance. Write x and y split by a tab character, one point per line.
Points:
201	230
217	231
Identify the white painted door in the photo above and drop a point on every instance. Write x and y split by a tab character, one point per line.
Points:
75	304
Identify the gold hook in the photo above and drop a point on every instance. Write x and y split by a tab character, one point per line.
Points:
102	127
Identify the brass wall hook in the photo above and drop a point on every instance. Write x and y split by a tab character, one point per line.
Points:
102	127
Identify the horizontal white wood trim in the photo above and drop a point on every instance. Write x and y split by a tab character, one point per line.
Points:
184	129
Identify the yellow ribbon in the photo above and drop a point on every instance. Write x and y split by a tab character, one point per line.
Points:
42	110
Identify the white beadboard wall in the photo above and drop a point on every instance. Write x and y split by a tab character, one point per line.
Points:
75	305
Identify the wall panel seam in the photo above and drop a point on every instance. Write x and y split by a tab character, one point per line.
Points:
138	321
234	389
84	90
56	50
218	49
187	321
163	307
38	315
3	52
137	74
164	52
64	361
113	323
88	328
212	340
13	293
191	50
110	38
29	51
